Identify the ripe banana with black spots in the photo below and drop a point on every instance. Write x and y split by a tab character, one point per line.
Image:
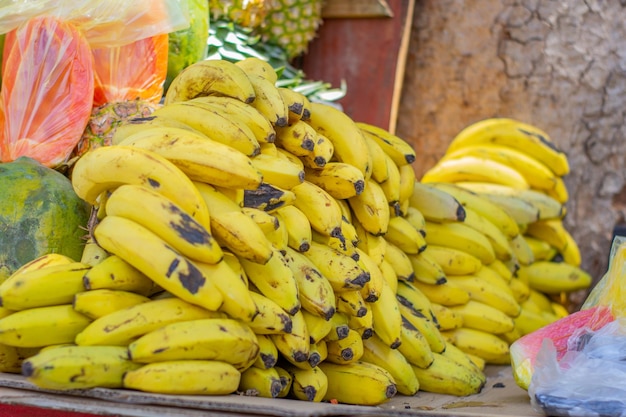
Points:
298	138
351	303
212	124
221	339
372	288
425	325
108	167
322	153
307	384
347	138
460	236
380	160
400	262
232	228
47	286
415	346
260	382
278	171
453	261
271	318
44	261
31	328
448	294
114	273
211	77
477	342
166	219
285	379
436	205
150	254
121	327
405	236
269	102
371	208
78	367
400	151
295	346
391	187
499	241
346	350
297	104
484	291
426	269
445	376
258	66
386	317
339	179
343	272
322	210
268	354
379	353
551	231
317	326
360	383
98	303
298	227
184	377
446	317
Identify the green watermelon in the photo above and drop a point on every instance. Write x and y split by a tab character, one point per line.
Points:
39	213
187	46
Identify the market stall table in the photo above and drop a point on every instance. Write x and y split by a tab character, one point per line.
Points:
18	398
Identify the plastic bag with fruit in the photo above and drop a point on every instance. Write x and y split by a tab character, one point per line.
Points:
580	367
57	52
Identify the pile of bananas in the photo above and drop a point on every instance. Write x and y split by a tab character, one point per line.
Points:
246	240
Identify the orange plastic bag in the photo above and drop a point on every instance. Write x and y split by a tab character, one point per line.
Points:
47	90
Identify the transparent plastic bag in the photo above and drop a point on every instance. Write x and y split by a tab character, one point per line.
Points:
588	377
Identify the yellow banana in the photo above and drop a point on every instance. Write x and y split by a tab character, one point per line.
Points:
414	346
515	134
121	327
400	151
317	326
78	367
559	192
538	175
380	160
98	303
436	205
269	102
295	346
298	138
339	179
211	77
342	271
445	376
360	383
481	316
44	261
340	327
377	352
185	377
232	228
271	318
279	236
402	234
114	273
298	227
494	235
407	182
391	187
467	360
297	104
285	379
386	317
347	138
389	275
446	317
308	384
268	354
373	245
372	288
351	303
322	210
166	219
150	254
346	350
221	339
416	219
425	326
322	152
266	221
408	294
426	269
400	262
542	250
571	253
47	286
371	208
92	253
551	231
275	280
266	197
522	252
480	343
484	291
462	237
32	327
453	261
448	294
138	124
278	171
519	209
258	66
212	124
108	167
260	382
555	277
364	325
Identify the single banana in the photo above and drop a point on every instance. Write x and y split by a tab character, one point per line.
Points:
377	352
436	205
296	103
108	167
47	286
380	160
391	187
199	157
480	343
448	294
266	221
374	246
266	196
515	134
555	277
482	206
400	151
483	291
340	327
275	280
415	347
346	350
372	288
185	377
44	261
98	303
211	77
552	231
405	236
522	252
138	124
371	208
261	127
416	219
542	250
538	175
445	376
298	138
232	228
386	317
166	219
342	271
258	66
271	318
446	317
407	183
268	354
571	253
339	179
519	209
559	192
411	296
278	171
467	360
339	242
364	325
315	291
307	384
503	270
322	210
298	227
269	102
400	262
150	254
453	261
425	326
260	382
114	273
427	269
462	237
360	383
31	328
221	339
520	290
119	328
317	326
92	253
481	316
295	346
347	138
499	241
279	236
78	367
285	379
351	303
389	275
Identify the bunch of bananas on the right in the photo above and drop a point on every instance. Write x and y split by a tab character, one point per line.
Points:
261	237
